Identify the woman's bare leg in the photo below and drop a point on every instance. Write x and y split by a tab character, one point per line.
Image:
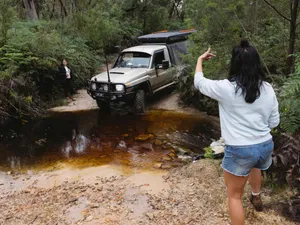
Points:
255	183
255	180
235	188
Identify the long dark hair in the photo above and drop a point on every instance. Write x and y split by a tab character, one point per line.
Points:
246	71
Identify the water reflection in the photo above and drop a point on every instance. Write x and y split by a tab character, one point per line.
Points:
67	149
92	138
78	145
14	162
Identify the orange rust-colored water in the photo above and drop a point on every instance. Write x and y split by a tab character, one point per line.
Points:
86	139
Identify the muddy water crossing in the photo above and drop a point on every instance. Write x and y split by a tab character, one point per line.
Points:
85	139
90	168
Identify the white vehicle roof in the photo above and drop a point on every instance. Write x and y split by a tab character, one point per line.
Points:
150	49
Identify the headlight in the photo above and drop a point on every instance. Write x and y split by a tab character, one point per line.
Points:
119	87
94	86
105	87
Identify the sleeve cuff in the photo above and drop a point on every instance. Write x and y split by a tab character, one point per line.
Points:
199	74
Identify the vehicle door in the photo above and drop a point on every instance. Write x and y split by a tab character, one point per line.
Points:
170	70
158	74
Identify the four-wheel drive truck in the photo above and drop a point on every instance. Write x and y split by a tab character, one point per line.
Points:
141	70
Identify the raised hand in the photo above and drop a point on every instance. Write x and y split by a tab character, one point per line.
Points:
207	55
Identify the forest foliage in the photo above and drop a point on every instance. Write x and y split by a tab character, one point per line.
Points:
36	35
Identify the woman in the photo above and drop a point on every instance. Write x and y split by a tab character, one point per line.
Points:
248	111
67	75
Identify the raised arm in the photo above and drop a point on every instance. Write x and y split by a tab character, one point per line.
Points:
206	56
210	88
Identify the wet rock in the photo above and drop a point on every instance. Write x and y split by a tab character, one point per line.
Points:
122	145
173	155
166	158
167	146
144	137
190	141
41	142
218	147
147	146
134	150
97	140
166	166
182	151
158	142
157	165
185	158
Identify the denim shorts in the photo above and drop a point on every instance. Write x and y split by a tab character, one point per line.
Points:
239	160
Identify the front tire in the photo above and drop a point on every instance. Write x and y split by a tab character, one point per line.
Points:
103	106
139	102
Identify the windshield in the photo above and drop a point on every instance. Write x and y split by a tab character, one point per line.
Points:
133	60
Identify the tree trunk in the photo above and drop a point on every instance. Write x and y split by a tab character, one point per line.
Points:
53	9
30	10
74	5
171	12
294	4
144	11
292	39
63	9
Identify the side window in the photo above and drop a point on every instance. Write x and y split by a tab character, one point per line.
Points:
159	57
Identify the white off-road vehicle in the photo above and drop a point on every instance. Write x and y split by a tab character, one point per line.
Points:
141	70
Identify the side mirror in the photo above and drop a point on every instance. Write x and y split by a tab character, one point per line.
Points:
165	64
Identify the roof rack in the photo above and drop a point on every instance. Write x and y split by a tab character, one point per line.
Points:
166	36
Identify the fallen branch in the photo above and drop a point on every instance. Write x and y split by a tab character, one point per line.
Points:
276	10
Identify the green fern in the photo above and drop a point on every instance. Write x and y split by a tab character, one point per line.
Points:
291	87
208	153
289	99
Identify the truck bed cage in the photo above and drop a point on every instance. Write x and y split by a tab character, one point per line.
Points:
166	36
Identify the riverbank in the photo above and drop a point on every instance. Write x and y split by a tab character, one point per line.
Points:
194	194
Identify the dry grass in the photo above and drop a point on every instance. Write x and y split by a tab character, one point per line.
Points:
199	196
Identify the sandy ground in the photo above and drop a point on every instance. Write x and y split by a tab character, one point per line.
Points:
82	102
171	102
194	194
163	100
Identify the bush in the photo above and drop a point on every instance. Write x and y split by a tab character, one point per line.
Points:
289	100
29	61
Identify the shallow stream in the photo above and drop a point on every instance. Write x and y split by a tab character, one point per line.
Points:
91	138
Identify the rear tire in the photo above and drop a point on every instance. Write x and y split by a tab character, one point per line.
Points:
103	106
139	102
